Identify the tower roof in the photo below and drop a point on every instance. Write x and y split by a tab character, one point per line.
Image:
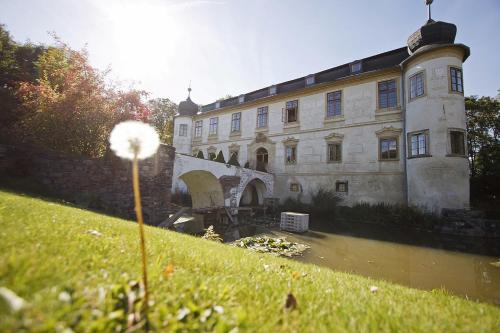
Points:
432	33
188	107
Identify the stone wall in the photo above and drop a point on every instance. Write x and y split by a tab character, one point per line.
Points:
103	184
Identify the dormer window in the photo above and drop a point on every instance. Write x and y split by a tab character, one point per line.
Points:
309	80
272	90
217	104
356	67
241	98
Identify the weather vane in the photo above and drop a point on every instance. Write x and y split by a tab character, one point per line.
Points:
428	3
189	89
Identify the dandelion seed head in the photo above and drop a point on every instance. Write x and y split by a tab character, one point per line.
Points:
134	138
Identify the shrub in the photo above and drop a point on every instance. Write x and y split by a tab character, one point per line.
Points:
324	203
210	234
233	160
220	157
383	213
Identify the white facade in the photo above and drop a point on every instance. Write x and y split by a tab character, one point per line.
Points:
363	173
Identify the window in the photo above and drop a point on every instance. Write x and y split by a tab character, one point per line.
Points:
388	149
457	83
198	128
212	130
291	111
262	159
236	122
291	154
418	144
341	186
387	94
294	187
310	79
334	152
183	129
356	67
417	85
262	117
334	104
457	140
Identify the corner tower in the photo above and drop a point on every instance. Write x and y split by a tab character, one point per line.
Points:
437	169
183	125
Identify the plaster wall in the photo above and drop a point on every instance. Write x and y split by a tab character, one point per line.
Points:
439	180
183	144
369	179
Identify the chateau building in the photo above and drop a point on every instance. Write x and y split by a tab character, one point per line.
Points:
387	128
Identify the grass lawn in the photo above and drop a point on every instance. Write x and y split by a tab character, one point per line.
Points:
73	268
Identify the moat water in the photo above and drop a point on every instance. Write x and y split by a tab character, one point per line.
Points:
461	266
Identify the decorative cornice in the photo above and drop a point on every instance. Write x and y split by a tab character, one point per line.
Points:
334	137
389	131
290	141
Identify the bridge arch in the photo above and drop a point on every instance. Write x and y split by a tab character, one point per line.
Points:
253	193
204	187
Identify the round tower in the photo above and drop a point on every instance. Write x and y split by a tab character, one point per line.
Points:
183	125
437	168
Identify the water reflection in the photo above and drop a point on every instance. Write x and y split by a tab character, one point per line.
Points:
401	261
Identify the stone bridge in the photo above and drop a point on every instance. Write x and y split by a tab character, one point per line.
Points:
214	184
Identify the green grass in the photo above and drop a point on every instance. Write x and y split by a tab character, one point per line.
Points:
46	252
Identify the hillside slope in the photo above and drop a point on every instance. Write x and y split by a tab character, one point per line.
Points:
73	268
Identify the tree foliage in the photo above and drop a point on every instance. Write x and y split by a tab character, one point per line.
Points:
17	64
162	111
483	140
59	101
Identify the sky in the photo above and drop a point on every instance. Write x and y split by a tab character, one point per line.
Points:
230	47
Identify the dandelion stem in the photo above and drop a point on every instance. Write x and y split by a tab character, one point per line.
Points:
138	212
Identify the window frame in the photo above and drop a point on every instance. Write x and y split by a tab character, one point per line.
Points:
293	147
236	120
328	155
356	63
296	121
338	183
427	153
266	114
327	104
183	129
211	126
380	152
464	142
397	105
296	185
424	85
450	80
198	125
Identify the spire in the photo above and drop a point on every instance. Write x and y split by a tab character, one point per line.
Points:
189	89
428	4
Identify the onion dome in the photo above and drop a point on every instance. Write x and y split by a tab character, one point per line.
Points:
432	33
188	107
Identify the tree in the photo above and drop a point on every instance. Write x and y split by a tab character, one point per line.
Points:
17	64
483	139
70	107
162	111
483	127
